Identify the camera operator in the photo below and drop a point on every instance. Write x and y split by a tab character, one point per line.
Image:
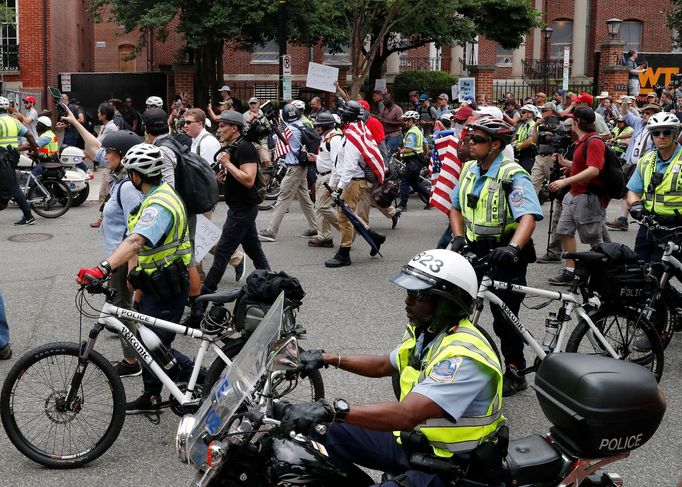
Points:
255	114
581	208
543	160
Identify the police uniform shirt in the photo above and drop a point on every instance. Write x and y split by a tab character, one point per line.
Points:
522	199
411	141
22	128
636	183
459	385
155	222
43	140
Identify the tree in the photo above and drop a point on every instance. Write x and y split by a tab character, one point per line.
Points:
674	21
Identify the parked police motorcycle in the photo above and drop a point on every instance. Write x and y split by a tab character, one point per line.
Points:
600	409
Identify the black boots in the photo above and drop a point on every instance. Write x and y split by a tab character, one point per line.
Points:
342	258
378	238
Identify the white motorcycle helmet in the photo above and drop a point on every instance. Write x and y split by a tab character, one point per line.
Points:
45	121
4	103
72	156
441	272
154	101
410	114
145	159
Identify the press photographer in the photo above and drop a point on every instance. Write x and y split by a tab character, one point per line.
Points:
549	137
258	127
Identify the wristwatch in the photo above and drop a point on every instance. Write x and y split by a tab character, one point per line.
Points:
106	267
341	410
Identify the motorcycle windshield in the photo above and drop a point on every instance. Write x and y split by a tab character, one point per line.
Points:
235	384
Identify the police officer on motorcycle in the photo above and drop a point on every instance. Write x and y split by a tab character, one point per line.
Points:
450	379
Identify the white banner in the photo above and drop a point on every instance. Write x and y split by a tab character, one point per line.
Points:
322	77
467	87
380	85
207	235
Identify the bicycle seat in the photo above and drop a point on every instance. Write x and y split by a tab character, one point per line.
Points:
221	297
589	257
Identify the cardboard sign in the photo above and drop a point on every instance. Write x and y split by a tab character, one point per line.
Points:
380	85
454	92
322	77
207	235
467	87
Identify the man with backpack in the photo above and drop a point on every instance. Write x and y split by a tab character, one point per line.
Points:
582	206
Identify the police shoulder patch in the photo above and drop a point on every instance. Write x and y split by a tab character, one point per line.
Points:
148	216
517	197
446	370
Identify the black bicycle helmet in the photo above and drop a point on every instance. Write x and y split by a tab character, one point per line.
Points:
120	141
325	120
290	113
351	112
496	128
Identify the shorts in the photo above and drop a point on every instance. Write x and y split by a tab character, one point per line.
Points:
633	87
582	212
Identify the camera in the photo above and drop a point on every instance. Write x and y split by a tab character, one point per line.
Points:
258	129
676	80
553	137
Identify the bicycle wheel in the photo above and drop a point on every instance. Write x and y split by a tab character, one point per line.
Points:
309	389
34	414
639	344
55	203
272	188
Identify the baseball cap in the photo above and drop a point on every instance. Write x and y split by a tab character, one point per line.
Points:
253	99
550	105
423	97
468	98
364	104
584	98
651	94
463	113
585	114
444	96
225	88
32	99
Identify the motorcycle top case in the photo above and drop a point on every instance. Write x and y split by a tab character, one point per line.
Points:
599	406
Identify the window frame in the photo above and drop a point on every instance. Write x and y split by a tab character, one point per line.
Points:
628	45
266	50
559	46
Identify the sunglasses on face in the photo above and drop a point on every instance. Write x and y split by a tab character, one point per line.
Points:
479	139
419	295
187	122
664	133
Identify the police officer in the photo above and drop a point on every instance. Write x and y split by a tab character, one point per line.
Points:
48	145
494	210
10	131
159	238
524	145
412	153
450	379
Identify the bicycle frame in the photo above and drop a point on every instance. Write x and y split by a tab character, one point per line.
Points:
25	187
570	299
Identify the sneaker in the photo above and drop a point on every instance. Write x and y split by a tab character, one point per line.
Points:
317	242
124	369
267	236
239	270
143	404
308	233
97	223
548	259
565	278
6	352
513	382
619	223
395	218
26	221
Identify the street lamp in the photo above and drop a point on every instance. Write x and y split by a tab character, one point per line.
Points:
547	35
613	27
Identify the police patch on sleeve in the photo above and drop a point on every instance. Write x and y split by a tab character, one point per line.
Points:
446	370
517	197
148	216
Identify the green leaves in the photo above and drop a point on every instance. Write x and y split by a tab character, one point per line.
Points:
674	21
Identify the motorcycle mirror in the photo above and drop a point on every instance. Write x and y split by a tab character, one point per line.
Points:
283	355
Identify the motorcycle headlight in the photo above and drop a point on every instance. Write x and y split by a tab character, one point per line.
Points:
184	429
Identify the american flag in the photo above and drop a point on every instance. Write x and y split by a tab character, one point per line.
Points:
282	147
363	140
445	168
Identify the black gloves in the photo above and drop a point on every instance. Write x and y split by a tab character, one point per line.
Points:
311	360
505	255
457	244
302	417
637	210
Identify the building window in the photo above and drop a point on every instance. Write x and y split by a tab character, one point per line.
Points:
341	57
9	43
631	33
126	58
268	53
562	36
503	57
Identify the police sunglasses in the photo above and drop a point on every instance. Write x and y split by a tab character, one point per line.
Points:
419	295
479	139
664	133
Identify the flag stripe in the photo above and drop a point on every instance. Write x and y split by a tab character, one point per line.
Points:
445	169
363	140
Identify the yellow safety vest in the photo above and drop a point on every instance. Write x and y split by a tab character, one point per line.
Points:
9	131
52	147
666	198
419	146
448	436
486	220
524	131
176	244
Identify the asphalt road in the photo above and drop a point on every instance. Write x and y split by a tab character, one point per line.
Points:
351	310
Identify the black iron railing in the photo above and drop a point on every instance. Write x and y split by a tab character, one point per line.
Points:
9	57
534	69
424	63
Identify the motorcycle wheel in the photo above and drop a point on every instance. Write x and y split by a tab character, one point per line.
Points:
309	389
81	196
55	203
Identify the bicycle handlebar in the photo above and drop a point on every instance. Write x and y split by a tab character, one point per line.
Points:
96	286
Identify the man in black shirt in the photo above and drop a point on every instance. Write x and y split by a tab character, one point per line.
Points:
239	168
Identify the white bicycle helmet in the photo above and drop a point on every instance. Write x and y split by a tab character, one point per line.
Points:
447	116
410	114
72	156
154	101
661	120
298	104
4	103
532	109
45	121
146	159
441	272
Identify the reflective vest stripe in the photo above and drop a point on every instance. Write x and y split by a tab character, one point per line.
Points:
666	198
9	132
469	421
52	147
420	141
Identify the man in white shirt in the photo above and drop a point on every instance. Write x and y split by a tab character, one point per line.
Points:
29	116
203	142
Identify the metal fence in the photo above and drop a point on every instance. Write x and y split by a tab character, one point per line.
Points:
521	90
16	96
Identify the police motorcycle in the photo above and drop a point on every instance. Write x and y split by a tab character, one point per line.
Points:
600	409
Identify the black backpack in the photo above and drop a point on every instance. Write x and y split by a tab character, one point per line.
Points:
310	139
195	181
7	177
612	175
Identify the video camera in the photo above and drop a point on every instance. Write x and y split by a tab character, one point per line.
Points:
553	137
258	130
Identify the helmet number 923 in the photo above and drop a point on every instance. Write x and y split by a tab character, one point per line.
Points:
427	260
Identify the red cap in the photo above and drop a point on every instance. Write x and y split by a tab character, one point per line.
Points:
463	113
584	98
32	99
364	104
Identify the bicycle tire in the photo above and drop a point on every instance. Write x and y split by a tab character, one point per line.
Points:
58	203
63	358
622	336
232	350
272	189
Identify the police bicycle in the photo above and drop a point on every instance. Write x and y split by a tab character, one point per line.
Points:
47	194
63	405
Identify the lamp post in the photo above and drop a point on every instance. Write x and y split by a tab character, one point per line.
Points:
547	35
613	27
282	39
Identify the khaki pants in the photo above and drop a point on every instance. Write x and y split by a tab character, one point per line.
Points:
364	210
355	196
263	153
293	183
541	171
326	215
123	299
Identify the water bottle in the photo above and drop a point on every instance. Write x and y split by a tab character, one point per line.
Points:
551	332
158	350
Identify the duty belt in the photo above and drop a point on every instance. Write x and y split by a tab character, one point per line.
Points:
358	179
323	173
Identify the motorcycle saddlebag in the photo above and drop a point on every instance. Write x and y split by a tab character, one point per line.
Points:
599	406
